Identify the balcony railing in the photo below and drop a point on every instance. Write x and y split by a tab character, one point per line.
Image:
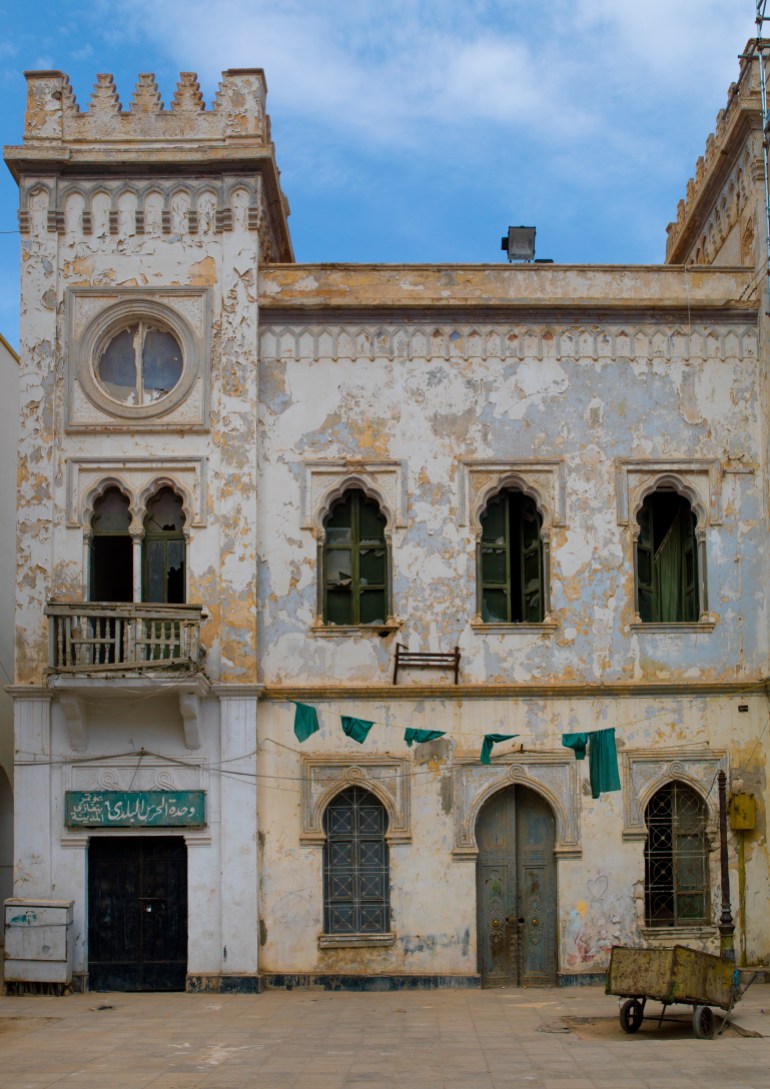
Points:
104	637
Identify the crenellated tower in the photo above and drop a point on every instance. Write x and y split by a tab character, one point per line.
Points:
720	221
108	150
143	231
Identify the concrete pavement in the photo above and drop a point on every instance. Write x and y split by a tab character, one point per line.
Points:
307	1039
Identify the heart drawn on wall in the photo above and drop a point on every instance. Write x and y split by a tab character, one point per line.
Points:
597	886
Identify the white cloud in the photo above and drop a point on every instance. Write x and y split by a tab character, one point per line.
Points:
409	72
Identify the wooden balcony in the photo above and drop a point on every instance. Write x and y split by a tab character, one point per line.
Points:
124	637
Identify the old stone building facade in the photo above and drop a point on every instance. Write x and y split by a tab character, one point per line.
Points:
244	482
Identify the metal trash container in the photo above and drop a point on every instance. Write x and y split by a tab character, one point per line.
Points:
38	946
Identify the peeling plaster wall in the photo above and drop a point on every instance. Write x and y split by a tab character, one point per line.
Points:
432	410
51	860
600	897
432	387
9	425
222	557
177	237
438	397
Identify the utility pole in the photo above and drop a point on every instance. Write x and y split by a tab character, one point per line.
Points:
761	18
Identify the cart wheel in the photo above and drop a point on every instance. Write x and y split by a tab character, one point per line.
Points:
703	1022
632	1015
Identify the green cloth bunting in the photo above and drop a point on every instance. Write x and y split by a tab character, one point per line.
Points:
489	741
602	758
305	721
578	742
357	728
412	737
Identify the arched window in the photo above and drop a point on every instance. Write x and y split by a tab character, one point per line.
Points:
164	549
511	579
667	560
676	857
356	871
355	562
111	575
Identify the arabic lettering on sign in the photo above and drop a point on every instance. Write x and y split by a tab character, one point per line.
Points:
125	808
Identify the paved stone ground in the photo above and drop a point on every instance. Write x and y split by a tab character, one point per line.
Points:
503	1039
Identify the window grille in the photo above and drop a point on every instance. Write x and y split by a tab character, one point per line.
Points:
676	858
356	870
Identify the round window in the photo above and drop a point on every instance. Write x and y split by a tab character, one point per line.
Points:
140	364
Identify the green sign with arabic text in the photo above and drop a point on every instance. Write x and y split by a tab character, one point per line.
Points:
135	808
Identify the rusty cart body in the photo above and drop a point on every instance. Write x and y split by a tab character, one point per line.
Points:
676	975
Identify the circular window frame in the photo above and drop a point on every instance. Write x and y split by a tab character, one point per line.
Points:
109	324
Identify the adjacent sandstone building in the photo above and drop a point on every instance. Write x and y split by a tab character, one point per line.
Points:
249	488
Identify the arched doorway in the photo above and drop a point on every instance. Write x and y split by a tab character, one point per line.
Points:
516	890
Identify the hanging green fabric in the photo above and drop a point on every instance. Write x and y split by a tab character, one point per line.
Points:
357	728
578	742
602	758
418	737
305	721
603	763
489	741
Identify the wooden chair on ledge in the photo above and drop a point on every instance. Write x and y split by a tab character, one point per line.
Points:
419	659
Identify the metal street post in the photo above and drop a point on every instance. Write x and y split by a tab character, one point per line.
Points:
726	924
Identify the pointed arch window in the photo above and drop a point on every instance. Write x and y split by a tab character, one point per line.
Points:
356	865
164	550
111	574
511	568
676	857
356	576
667	568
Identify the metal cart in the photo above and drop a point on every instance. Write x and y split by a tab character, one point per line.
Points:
677	975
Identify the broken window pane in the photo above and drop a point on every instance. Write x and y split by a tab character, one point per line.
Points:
140	364
161	363
355	561
117	366
164	550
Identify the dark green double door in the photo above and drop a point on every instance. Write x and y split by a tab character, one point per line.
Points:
516	888
137	913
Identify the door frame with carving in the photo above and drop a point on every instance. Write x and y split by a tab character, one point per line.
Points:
516	889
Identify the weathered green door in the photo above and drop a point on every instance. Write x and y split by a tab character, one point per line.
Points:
516	883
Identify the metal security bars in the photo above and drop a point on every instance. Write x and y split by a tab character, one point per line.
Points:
676	858
356	870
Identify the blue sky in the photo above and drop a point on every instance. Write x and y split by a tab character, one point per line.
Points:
417	131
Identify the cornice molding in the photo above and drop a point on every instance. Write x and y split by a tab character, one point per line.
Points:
541	690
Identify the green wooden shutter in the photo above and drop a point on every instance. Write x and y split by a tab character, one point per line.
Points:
531	562
690	565
644	593
355	562
495	561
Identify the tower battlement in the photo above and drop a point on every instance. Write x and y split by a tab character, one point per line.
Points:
237	113
716	197
184	154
